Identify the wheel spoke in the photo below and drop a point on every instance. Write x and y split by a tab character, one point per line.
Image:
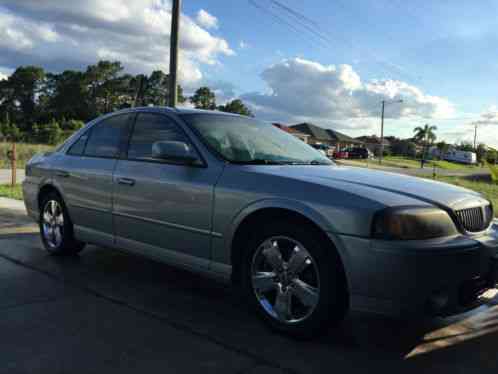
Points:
273	255
299	260
57	235
264	281
283	304
285	279
59	220
53	207
47	217
50	234
307	294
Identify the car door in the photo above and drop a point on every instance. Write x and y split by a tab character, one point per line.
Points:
85	176
161	208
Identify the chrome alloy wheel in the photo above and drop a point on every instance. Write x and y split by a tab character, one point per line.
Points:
53	223
285	279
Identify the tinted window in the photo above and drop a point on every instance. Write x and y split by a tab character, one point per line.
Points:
150	128
106	136
79	146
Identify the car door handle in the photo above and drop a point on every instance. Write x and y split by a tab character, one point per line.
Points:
126	181
62	173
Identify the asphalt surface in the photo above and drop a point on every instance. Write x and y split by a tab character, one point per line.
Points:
106	311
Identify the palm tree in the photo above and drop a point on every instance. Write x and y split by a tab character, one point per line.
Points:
426	135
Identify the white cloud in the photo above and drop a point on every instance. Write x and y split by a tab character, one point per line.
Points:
20	35
465	133
207	20
3	76
306	90
489	117
486	123
61	34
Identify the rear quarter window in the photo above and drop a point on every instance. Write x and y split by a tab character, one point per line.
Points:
106	137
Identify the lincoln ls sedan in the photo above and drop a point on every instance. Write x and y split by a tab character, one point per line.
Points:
303	239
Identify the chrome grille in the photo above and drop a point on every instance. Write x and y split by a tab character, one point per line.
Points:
475	219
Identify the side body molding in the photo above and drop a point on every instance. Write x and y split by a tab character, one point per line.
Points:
222	247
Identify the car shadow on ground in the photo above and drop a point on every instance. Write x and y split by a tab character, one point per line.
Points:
217	312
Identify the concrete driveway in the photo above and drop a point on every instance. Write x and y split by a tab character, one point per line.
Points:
106	311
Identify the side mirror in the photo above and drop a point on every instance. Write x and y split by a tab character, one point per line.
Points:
174	151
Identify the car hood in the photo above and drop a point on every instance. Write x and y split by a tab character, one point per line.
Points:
347	178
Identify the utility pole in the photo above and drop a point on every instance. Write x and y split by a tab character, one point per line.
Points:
139	93
13	161
475	137
384	102
173	55
382	133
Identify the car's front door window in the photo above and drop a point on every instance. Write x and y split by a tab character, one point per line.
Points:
150	128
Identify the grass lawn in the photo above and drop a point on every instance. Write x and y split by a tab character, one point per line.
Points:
404	162
14	193
24	152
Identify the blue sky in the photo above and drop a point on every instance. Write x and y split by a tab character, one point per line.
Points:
446	47
440	57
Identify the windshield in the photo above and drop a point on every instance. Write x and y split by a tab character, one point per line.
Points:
248	141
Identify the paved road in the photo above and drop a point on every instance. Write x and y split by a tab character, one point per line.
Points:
5	176
105	311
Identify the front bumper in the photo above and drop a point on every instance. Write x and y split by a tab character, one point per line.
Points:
30	195
430	277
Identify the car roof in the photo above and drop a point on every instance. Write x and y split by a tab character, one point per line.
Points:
166	109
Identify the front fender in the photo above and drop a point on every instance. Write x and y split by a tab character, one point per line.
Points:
275	203
297	207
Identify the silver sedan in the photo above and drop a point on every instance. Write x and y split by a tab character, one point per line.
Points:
303	239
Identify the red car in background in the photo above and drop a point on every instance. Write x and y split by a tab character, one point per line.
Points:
341	154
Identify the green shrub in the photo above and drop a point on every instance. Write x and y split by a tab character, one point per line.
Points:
494	172
492	156
49	133
71	125
10	132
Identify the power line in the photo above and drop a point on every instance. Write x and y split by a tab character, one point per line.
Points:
298	17
300	23
282	21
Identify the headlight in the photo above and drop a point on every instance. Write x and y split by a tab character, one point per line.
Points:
412	223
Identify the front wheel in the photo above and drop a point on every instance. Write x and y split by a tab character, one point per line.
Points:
56	228
294	280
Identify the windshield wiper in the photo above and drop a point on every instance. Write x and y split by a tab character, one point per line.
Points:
313	162
260	161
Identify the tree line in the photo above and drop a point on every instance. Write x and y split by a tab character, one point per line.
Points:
40	106
426	137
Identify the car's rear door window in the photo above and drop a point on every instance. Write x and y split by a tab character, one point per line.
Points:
150	128
107	136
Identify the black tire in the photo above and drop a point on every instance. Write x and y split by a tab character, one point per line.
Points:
67	245
332	301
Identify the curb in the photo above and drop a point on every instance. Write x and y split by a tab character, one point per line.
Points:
12	204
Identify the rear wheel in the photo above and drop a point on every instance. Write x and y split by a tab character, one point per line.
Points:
294	280
56	228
